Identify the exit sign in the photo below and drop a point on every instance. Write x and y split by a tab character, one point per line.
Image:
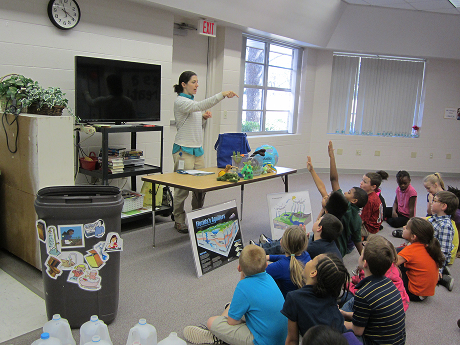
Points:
207	28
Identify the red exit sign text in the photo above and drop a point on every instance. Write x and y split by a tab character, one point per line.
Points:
207	28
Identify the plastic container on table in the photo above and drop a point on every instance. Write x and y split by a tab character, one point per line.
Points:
80	274
96	340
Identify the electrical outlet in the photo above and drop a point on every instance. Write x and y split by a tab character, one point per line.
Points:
340	152
358	152
377	153
448	156
225	114
431	156
413	155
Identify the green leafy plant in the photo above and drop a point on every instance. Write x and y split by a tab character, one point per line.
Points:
13	91
250	126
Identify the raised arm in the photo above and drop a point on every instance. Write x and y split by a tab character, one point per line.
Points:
319	184
333	175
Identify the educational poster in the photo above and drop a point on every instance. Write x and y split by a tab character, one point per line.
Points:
288	209
215	236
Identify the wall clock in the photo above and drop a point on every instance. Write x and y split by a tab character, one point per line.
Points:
64	14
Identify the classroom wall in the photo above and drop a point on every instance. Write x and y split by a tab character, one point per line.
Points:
33	47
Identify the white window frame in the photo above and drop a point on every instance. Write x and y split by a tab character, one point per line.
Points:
376	95
295	85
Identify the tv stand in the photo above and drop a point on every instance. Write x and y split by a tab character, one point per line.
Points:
132	172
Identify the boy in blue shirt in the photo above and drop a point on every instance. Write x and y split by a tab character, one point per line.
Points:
257	298
325	231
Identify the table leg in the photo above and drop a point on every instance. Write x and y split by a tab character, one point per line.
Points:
286	184
153	224
242	200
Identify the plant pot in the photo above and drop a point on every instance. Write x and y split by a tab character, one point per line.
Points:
45	110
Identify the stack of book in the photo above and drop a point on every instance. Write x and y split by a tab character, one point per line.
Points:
116	164
133	158
115	159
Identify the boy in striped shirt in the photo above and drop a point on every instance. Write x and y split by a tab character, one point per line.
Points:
378	315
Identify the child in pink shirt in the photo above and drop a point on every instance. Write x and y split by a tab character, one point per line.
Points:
405	201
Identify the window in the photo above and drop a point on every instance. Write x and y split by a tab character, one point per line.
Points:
271	79
376	95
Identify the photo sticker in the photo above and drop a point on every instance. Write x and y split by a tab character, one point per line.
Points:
71	236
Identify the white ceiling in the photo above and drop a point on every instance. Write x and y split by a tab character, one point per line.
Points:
439	6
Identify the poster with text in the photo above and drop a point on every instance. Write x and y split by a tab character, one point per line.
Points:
215	235
288	209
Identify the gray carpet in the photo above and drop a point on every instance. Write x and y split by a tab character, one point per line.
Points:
160	284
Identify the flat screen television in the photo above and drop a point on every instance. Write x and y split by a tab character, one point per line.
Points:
114	91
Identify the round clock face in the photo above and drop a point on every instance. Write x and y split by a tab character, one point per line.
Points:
64	14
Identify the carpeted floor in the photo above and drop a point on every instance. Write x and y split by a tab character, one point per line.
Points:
160	284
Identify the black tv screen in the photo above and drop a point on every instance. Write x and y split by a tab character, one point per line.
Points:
116	91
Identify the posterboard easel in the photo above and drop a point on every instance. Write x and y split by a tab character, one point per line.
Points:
215	235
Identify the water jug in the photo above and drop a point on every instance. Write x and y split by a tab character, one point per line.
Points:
142	334
173	339
94	327
45	339
59	328
96	340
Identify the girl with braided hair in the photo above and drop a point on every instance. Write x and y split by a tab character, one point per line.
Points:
287	269
316	303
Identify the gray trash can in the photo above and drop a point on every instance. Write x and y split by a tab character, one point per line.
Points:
79	232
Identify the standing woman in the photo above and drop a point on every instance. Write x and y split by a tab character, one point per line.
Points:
187	150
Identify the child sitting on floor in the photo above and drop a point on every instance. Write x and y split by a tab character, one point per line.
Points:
422	259
378	309
393	273
433	183
287	269
257	298
325	231
456	220
355	199
443	207
405	202
316	303
372	212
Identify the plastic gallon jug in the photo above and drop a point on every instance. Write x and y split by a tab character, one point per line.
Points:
59	328
94	327
173	339
45	339
142	334
96	340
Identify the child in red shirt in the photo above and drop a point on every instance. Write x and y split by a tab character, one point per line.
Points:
372	212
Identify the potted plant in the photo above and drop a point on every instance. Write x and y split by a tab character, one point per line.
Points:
13	92
50	101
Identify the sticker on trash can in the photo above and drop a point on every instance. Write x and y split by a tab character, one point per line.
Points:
114	243
100	249
70	259
96	229
53	245
90	280
71	236
93	259
77	272
41	230
52	267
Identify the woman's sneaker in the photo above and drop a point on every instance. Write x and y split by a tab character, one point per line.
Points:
200	335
